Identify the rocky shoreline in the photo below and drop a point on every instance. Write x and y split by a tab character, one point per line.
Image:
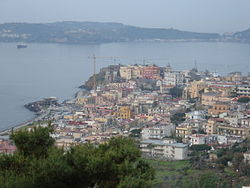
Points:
40	105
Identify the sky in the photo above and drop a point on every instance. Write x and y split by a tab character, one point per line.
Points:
218	16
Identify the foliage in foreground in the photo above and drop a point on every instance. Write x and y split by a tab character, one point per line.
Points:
182	174
37	163
228	171
244	99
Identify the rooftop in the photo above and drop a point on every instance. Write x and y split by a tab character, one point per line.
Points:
161	142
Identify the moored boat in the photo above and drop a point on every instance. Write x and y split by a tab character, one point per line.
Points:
21	45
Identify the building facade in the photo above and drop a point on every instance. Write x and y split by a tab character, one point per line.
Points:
157	132
151	72
173	78
164	149
243	90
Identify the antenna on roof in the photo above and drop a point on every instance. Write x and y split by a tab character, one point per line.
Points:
195	64
94	71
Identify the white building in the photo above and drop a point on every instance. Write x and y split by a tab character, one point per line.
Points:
198	115
173	78
164	149
243	90
158	132
221	139
247	157
245	122
197	139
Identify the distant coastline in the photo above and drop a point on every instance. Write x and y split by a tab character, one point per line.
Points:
98	33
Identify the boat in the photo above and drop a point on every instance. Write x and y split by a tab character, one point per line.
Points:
21	45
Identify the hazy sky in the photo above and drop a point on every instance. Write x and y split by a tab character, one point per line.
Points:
193	15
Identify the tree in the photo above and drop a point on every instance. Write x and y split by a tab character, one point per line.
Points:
177	118
244	168
34	143
208	180
135	133
237	159
176	92
200	147
244	99
108	165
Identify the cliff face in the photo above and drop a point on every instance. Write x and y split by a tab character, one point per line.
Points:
106	75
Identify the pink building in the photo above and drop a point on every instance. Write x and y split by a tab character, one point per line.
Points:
151	72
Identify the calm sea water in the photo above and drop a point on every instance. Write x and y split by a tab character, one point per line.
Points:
44	70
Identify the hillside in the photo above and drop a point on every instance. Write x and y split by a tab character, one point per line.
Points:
243	36
93	32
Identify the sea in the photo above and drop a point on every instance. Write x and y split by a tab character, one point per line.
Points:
57	70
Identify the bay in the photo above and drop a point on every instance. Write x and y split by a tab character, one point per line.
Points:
45	70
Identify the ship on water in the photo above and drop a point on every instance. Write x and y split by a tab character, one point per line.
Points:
21	45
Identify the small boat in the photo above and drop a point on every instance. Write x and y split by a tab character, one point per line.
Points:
21	45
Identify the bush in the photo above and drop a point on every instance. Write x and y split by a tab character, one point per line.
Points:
244	99
37	163
201	147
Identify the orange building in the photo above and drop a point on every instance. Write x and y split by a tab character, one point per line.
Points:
219	108
209	98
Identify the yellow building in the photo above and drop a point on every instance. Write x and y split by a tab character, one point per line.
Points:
234	77
124	112
101	120
183	131
194	90
211	127
238	131
209	98
69	117
129	72
81	100
136	72
219	108
126	72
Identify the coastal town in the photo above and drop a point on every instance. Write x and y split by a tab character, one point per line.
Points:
165	110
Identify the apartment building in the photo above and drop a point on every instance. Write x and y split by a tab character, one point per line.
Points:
236	131
209	98
184	131
243	90
150	72
131	72
219	108
164	149
173	78
197	139
194	90
157	132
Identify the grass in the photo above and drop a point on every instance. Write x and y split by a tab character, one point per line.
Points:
168	170
171	174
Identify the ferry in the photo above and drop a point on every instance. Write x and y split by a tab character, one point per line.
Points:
21	45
